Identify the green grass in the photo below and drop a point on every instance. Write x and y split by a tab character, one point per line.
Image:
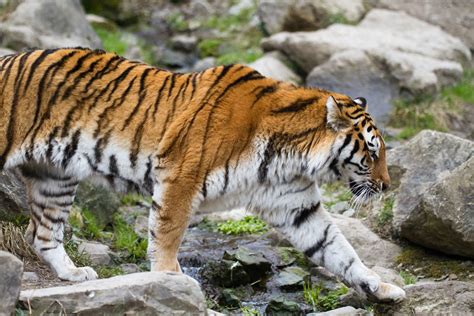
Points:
245	55
85	225
80	259
209	47
408	278
108	271
463	90
386	213
126	239
111	40
247	225
177	22
229	22
248	311
313	295
131	199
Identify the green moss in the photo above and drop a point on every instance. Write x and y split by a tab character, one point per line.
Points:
111	40
247	225
463	90
131	199
240	56
209	47
319	299
208	225
249	311
408	278
108	271
386	213
289	255
428	263
338	18
226	23
177	22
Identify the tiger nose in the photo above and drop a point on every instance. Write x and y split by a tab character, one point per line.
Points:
385	186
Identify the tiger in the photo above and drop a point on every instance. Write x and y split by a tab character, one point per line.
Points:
221	138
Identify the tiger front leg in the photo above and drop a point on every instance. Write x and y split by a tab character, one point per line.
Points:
307	225
167	222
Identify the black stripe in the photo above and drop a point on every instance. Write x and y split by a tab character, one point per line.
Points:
265	91
57	194
104	71
173	79
302	215
353	151
296	106
52	136
79	77
347	267
267	158
100	145
226	178
113	168
53	219
158	98
48	248
71	148
148	181
142	95
35	65
317	246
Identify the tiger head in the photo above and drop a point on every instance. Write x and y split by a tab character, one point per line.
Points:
359	149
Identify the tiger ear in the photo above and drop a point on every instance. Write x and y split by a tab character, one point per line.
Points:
335	118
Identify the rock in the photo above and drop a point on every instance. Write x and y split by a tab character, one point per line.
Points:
391	48
292	278
141	226
153	293
184	43
271	65
281	306
204	64
11	269
296	15
255	264
6	51
343	311
371	248
434	298
355	73
225	273
48	24
229	299
340	207
98	253
349	213
454	16
389	275
98	200
13	199
129	268
433	207
100	21
30	277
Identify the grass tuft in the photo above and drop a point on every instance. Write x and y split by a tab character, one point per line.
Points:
126	239
313	295
408	278
247	225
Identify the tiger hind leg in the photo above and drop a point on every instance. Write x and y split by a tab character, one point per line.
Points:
50	197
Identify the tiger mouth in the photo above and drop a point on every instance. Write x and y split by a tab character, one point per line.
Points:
364	189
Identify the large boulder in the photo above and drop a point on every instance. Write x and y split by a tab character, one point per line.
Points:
372	250
149	293
306	15
13	199
434	298
11	270
454	16
408	62
48	24
272	65
434	204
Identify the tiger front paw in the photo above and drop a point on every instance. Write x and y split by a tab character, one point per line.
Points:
388	293
79	274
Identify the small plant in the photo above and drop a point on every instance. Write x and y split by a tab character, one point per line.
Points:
108	271
248	311
111	40
177	22
247	225
209	47
134	199
85	225
240	56
463	90
386	213
313	295
80	259
126	239
408	278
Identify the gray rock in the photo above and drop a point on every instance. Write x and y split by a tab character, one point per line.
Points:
434	298
225	273
204	64
13	199
454	16
97	20
340	207
303	15
281	306
11	269
101	201
292	278
255	264
349	213
98	253
433	207
153	293
342	311
391	47
141	226
271	65
389	275
229	299
30	277
355	73
6	51
48	24
184	43
372	249
129	268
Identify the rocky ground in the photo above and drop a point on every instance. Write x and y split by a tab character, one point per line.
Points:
416	73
